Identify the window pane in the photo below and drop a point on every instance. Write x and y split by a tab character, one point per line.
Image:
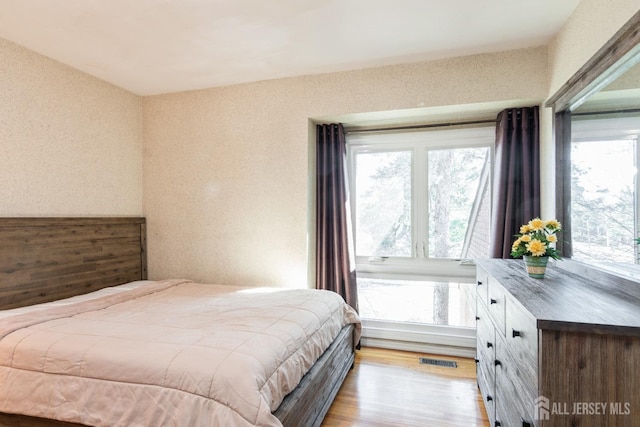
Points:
602	203
383	204
459	200
437	303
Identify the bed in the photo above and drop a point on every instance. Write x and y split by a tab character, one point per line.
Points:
82	326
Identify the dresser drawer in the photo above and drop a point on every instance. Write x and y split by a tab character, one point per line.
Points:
513	409
482	285
485	333
507	417
485	356
522	337
516	381
497	304
488	391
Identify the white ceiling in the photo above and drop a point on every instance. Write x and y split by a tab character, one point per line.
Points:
160	46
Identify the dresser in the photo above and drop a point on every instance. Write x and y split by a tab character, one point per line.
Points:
561	351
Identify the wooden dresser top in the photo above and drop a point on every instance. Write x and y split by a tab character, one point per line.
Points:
590	302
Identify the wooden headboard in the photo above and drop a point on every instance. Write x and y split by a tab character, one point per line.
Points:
45	259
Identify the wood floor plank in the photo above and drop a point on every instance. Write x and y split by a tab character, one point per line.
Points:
389	387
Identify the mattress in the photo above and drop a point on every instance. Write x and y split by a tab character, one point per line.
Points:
170	353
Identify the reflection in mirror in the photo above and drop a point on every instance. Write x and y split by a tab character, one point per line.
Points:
604	154
623	93
604	188
597	120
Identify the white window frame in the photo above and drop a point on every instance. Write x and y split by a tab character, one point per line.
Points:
418	142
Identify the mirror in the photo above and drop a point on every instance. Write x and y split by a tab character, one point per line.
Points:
597	124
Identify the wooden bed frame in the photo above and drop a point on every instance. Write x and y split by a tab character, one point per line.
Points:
46	259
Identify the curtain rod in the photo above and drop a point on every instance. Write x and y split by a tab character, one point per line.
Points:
434	125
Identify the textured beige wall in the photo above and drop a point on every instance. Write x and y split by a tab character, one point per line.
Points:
70	144
226	170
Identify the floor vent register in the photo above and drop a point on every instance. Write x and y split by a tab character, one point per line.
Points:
438	362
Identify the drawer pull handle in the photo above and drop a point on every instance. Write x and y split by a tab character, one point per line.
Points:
497	423
492	301
525	423
477	318
497	363
516	333
477	360
489	345
479	283
489	398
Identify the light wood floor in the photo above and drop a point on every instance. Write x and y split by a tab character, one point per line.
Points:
389	387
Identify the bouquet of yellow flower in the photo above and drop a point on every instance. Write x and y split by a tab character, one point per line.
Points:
535	239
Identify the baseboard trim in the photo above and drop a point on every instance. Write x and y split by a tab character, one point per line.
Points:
445	350
434	339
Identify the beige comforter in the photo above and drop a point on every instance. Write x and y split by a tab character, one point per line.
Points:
168	353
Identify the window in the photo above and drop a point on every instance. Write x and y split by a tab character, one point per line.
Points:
420	206
420	196
383	203
604	205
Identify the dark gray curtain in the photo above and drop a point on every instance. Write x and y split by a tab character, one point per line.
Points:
516	183
335	265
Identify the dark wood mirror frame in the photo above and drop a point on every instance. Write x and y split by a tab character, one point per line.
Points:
613	59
